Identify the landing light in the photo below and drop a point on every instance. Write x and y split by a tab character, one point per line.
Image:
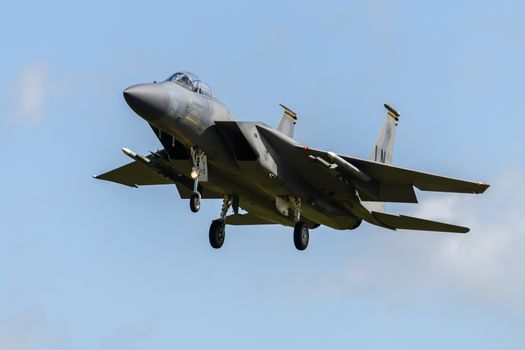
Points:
194	174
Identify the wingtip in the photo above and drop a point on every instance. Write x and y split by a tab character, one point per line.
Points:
483	187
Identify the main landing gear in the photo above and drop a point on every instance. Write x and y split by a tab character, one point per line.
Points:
301	234
217	233
218	227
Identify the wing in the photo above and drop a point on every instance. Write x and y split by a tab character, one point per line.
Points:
158	169
391	175
394	184
134	174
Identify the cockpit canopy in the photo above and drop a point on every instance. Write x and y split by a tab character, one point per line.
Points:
191	82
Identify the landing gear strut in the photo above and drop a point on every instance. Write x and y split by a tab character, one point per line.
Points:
197	171
218	227
301	234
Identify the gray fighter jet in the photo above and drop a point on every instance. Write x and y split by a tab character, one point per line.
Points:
272	177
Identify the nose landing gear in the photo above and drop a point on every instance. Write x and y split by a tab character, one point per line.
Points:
195	201
198	171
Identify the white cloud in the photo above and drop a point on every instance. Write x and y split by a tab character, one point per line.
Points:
487	264
482	267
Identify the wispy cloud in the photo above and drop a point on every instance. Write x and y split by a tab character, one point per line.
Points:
131	336
28	330
32	87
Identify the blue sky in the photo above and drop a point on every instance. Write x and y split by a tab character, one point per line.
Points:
92	265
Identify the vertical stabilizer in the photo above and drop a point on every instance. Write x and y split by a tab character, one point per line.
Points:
384	146
288	120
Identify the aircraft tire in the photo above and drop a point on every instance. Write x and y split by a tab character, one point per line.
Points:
195	202
217	233
301	236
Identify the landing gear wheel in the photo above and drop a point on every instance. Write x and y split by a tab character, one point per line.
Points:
301	236
217	233
195	202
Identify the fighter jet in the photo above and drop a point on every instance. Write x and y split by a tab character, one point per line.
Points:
263	174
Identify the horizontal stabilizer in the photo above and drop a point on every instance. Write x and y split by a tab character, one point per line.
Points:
246	219
411	223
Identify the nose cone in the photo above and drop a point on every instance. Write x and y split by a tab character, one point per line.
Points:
150	101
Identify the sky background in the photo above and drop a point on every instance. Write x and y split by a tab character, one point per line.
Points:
87	264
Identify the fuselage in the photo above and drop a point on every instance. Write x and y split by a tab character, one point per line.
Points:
251	169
